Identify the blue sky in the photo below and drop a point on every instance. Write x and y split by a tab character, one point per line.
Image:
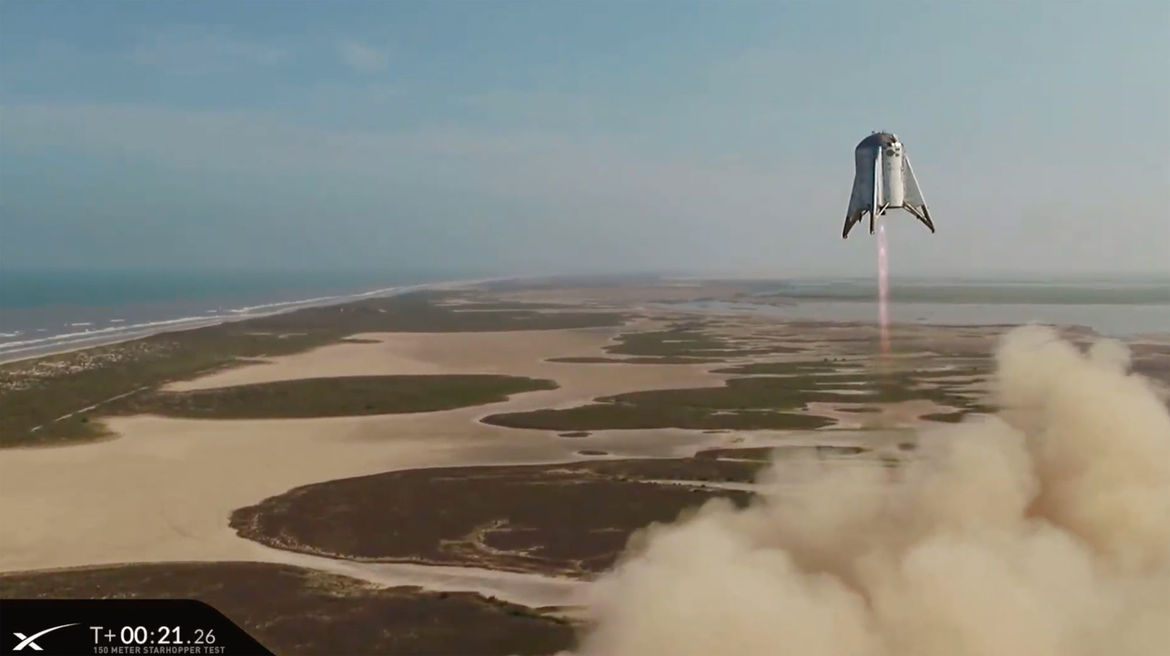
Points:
566	136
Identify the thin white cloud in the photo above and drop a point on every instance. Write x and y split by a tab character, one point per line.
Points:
363	57
201	51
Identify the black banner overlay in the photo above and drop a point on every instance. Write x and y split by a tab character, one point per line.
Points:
81	627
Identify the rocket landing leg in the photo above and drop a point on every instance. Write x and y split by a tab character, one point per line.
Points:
923	216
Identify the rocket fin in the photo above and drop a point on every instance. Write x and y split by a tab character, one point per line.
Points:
913	200
859	198
913	194
850	220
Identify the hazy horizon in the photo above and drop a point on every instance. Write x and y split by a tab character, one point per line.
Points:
439	274
527	138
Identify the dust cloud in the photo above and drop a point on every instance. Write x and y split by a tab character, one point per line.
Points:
1043	530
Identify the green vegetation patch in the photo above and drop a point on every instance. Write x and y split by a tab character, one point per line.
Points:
688	340
468	304
51	400
851	382
683	339
853	370
767	454
749	403
670	359
425	312
291	610
569	519
741	404
945	417
818	367
958	415
1152	360
332	397
610	416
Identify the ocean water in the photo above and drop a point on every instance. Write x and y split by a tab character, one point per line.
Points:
1122	307
48	311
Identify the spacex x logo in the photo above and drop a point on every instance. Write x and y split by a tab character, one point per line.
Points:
28	641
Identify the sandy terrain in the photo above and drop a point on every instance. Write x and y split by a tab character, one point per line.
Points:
532	590
342	359
436	353
163	490
627	293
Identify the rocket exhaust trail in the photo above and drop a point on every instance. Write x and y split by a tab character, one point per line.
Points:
883	288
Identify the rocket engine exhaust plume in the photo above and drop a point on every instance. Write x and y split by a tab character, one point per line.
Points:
1041	531
883	288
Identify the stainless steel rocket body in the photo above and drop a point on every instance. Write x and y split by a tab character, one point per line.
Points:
883	181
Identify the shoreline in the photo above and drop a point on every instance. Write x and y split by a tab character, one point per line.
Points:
82	342
791	308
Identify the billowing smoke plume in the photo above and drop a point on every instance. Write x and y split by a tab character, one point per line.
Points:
1043	531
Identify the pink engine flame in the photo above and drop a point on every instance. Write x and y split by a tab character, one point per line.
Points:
883	288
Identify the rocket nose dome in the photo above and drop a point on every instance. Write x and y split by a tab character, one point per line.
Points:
877	140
